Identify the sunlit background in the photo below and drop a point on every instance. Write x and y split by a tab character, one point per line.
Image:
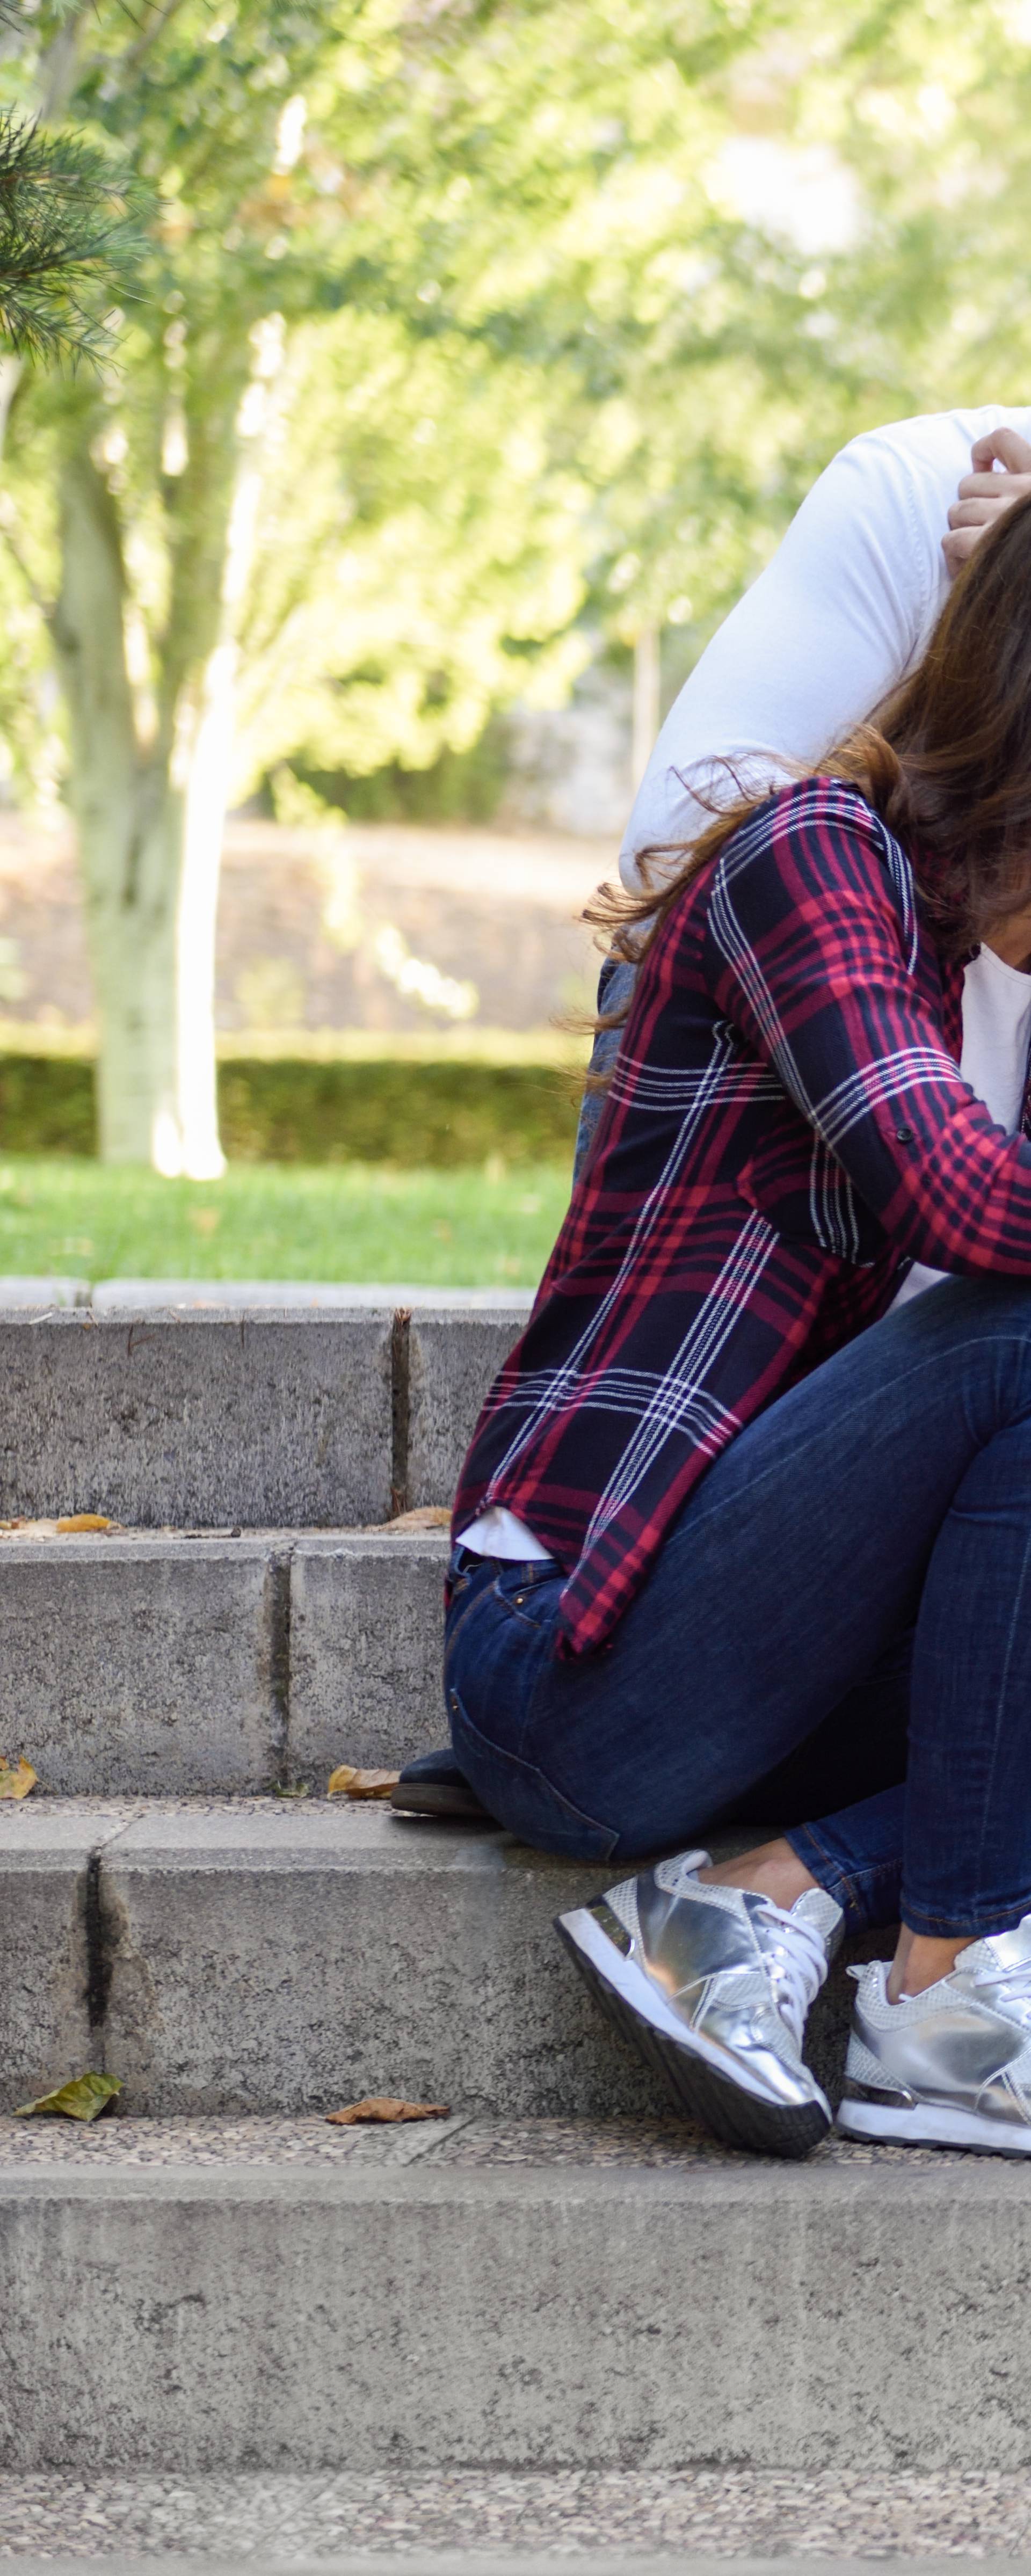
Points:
465	363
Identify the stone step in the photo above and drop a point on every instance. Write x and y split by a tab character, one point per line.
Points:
176	1664
265	1955
264	1418
510	2295
111	1296
505	2558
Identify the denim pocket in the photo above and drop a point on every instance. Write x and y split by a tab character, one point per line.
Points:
520	1797
530	1591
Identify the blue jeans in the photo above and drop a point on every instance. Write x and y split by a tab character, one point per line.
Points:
835	1637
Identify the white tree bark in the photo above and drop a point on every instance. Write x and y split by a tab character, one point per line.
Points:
150	807
646	700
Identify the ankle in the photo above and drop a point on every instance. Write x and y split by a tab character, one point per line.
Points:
771	1869
920	1962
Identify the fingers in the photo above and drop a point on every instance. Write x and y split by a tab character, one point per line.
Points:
983	494
1006	447
997	488
982	514
958	547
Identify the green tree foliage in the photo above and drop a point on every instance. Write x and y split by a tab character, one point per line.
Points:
460	329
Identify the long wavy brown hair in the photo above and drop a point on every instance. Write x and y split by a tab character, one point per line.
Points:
946	762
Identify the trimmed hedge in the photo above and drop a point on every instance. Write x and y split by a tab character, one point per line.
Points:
287	1111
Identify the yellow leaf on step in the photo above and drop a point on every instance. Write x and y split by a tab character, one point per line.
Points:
82	2098
348	1783
385	2107
16	1778
340	1780
73	1521
426	1516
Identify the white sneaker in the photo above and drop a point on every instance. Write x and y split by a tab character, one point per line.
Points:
713	1985
950	2067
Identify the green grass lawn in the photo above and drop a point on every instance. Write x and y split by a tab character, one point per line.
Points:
469	1227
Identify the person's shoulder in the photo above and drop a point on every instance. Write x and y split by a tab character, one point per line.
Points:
930	448
821	803
819	833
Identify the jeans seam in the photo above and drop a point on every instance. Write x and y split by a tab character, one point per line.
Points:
533	1773
989	1786
936	1927
843	1884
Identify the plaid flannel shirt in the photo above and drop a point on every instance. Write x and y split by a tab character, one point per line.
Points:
785	1130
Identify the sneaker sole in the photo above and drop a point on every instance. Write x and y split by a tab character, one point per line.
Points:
689	2068
927	2124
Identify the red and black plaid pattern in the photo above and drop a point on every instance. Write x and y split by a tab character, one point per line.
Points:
786	1129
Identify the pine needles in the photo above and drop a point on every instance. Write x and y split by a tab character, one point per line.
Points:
69	243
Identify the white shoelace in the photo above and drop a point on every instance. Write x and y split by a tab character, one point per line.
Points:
798	1965
1015	1980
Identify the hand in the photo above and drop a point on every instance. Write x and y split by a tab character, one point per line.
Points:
985	493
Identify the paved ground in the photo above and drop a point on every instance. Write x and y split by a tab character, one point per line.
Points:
707	2512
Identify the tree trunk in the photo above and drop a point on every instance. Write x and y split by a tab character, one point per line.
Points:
130	821
129	857
646	700
151	812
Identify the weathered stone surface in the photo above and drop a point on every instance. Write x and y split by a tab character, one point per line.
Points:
287	1957
398	2316
366	1640
260	1419
281	1957
134	1665
263	1956
45	2032
452	1360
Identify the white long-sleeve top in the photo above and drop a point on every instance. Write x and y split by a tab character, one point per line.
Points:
841	612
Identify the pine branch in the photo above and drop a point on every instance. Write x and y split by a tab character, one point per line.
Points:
69	243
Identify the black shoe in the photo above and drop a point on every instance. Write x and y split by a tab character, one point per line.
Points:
434	1786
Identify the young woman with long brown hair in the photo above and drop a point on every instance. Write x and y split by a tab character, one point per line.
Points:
745	1527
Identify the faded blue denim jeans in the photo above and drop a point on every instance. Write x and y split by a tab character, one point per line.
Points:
835	1638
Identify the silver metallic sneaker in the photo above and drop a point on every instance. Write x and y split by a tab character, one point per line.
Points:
712	1984
950	2067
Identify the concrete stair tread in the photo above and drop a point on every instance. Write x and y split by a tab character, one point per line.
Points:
120	1540
478	2301
324	1415
264	1955
223	1660
464	2142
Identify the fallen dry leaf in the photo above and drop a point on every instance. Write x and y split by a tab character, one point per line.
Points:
385	2106
71	1524
428	1516
82	2098
16	1778
346	1782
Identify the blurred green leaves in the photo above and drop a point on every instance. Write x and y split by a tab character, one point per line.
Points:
578	298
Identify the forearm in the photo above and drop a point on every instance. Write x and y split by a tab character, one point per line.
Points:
820	638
